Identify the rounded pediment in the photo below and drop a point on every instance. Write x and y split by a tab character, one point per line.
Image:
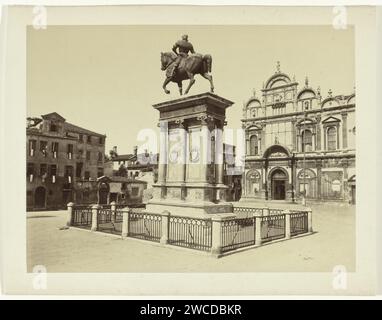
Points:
277	80
306	93
330	102
351	99
253	103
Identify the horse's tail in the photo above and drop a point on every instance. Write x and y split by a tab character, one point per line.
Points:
208	62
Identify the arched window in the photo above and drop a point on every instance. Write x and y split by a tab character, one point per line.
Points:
254	148
306	140
332	138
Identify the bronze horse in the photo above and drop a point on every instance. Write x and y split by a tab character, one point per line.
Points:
188	67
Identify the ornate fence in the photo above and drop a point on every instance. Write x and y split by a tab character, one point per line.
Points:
145	226
251	226
82	216
272	227
190	233
298	223
275	211
249	212
237	233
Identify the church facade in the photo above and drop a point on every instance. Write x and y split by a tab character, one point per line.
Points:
299	142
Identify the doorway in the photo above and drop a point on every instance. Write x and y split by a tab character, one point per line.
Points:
66	197
103	193
278	185
39	197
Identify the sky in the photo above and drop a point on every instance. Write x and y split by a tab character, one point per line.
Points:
106	78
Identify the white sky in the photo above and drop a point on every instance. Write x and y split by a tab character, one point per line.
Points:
106	78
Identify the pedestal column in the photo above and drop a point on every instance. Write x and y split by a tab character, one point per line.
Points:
163	152
219	163
206	146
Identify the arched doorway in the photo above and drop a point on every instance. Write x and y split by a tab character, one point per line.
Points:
103	193
39	197
278	184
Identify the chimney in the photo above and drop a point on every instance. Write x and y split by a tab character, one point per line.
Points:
115	149
135	150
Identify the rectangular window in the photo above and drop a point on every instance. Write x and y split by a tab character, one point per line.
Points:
55	149
100	140
69	173
79	169
30	171
87	175
32	147
134	191
81	138
70	151
44	147
100	172
53	127
43	170
332	138
87	155
89	139
100	156
53	172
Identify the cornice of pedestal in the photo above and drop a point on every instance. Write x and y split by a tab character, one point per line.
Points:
199	99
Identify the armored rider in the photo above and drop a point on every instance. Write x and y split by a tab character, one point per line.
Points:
184	47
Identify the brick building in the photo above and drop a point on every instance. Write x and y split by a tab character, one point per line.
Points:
298	141
59	156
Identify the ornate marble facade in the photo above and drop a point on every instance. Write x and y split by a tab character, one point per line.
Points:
299	141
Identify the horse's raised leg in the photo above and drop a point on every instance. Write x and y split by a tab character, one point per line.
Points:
209	78
192	81
166	81
180	87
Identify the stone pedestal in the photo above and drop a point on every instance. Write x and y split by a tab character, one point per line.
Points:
190	170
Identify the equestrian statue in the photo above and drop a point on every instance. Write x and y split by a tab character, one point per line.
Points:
179	65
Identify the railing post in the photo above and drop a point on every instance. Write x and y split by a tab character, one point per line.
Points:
70	206
165	227
113	208
310	225
95	217
258	239
287	224
125	223
266	212
216	248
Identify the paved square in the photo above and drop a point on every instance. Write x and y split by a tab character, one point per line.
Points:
74	250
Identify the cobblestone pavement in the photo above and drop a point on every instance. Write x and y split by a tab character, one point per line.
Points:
74	250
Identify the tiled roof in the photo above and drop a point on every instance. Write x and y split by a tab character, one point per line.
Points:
124	157
77	129
53	115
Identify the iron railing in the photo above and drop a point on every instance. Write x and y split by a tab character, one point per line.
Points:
82	216
275	211
272	227
298	223
190	233
249	212
106	222
145	226
237	233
